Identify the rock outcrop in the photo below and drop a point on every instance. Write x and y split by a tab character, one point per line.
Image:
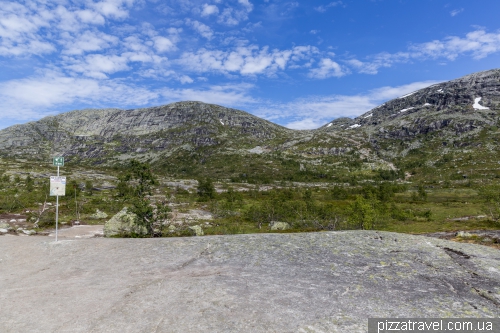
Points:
307	282
123	224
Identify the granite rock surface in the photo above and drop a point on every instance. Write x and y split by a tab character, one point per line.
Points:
308	282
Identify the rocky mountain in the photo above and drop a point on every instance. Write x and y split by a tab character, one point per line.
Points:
459	116
107	133
453	113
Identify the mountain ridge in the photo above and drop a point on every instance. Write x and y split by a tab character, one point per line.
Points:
444	116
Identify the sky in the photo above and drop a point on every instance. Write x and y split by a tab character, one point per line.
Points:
299	64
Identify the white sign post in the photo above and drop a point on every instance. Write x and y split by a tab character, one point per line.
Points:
57	185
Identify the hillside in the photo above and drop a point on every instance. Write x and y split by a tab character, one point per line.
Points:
110	132
422	163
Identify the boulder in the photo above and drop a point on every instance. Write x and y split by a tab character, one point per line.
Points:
279	225
3	231
122	224
464	234
197	229
98	215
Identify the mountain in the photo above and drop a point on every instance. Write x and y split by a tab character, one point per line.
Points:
452	113
108	133
458	117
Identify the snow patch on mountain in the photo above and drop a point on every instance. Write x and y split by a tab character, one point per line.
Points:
478	106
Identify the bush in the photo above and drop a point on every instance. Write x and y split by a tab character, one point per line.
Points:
206	189
362	213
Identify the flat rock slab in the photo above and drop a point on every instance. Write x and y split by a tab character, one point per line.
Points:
78	231
308	282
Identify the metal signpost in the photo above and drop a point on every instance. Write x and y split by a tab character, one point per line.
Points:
57	185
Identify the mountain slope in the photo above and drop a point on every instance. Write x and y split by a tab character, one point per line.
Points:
459	117
453	113
111	132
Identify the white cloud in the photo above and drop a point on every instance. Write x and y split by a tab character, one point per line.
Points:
163	44
378	61
245	60
99	65
19	26
209	10
185	79
202	29
304	124
35	27
135	43
35	97
90	16
456	12
327	68
315	111
248	6
234	15
88	41
116	9
388	92
323	8
479	44
226	95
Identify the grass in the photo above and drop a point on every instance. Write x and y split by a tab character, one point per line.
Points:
446	200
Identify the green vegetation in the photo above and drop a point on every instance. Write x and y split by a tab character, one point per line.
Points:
248	193
148	215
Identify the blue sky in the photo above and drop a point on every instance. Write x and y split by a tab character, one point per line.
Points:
297	63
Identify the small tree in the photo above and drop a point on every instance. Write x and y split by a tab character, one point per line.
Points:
123	189
362	213
491	197
88	187
149	216
29	183
206	189
422	194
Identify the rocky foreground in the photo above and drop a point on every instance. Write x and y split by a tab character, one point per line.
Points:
309	282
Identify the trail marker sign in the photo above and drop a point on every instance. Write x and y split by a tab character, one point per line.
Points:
57	186
58	161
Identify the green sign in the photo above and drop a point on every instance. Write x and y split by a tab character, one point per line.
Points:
58	161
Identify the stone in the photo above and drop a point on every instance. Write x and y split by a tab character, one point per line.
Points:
123	224
3	231
464	234
328	282
29	232
171	228
275	225
197	229
98	215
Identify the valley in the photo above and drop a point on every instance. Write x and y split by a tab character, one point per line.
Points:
423	163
